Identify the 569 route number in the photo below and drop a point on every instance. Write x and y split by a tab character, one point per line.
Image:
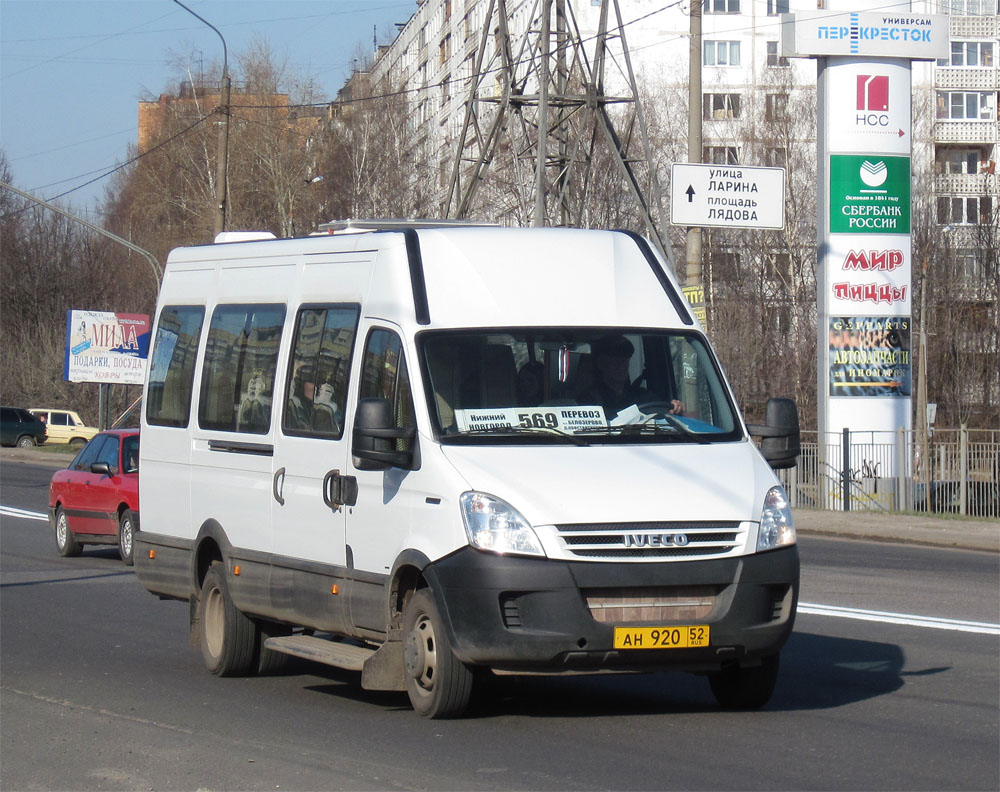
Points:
538	420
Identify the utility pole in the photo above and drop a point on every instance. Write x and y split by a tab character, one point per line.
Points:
222	157
693	275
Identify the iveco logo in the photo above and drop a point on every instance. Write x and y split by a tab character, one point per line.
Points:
656	540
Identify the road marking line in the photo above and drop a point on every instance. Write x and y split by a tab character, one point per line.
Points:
932	622
10	511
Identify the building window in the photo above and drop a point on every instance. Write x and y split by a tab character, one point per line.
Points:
775	7
716	107
773	58
776	156
720	6
722	53
964	210
720	155
958	160
776	107
966	105
969	54
968	7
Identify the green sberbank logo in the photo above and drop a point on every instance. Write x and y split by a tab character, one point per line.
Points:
869	194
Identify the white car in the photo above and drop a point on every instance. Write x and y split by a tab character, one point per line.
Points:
64	426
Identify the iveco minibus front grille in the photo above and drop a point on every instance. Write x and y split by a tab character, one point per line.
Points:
660	541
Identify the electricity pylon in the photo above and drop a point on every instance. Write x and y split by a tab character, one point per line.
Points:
547	113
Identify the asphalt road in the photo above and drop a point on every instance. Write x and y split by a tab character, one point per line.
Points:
100	690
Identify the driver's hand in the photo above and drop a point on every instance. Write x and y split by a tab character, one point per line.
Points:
677	407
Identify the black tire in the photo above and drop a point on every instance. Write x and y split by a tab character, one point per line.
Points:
438	683
268	662
26	441
78	442
228	637
66	542
126	528
745	688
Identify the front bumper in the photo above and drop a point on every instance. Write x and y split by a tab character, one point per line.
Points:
523	614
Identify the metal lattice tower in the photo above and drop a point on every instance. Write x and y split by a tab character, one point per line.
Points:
549	114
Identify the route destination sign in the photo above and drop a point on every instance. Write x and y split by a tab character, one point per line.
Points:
728	196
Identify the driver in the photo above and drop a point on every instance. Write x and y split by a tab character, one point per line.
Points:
612	388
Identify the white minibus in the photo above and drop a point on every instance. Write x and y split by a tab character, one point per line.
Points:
434	452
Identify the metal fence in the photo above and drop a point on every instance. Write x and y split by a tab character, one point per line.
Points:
956	471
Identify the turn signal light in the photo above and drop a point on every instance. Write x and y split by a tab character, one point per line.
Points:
334	589
236	570
152	554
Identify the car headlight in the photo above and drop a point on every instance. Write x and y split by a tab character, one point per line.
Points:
777	528
496	526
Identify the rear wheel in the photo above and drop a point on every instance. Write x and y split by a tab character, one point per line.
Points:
745	688
66	543
438	683
26	441
126	526
227	636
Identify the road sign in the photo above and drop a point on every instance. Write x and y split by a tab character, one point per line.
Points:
730	196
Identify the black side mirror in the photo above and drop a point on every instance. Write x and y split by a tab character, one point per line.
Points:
375	436
780	442
101	468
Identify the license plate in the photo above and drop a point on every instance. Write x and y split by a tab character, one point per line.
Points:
682	637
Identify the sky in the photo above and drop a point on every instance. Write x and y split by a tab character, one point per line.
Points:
72	72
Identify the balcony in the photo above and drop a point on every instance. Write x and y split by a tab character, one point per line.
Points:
963	183
967	79
947	131
985	26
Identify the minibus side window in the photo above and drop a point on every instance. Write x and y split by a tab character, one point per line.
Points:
316	393
171	372
385	376
241	355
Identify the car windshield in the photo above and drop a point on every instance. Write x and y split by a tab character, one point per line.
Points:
576	385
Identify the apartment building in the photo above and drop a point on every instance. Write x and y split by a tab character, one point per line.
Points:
746	82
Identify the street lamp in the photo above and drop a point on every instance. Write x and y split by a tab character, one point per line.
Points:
222	156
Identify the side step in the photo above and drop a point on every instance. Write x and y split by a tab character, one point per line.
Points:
320	650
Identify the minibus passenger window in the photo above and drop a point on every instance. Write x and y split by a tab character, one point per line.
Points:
316	393
171	372
240	360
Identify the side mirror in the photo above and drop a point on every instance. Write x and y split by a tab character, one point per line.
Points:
101	468
373	446
780	443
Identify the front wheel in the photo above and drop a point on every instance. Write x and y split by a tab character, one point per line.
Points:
438	683
126	526
745	688
227	636
66	543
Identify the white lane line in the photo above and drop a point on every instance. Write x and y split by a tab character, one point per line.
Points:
933	622
10	511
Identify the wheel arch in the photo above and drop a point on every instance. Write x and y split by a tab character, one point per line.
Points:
211	545
406	577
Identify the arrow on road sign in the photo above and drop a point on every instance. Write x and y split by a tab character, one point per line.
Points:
690	193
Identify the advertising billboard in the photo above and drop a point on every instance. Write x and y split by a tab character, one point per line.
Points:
106	347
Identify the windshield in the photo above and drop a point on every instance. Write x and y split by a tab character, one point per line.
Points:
576	385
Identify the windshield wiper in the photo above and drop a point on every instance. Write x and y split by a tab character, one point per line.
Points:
516	430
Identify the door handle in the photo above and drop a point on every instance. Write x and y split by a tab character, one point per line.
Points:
339	490
276	489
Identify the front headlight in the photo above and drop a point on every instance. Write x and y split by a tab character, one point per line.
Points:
777	529
496	526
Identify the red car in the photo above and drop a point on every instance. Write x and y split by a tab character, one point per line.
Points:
96	499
